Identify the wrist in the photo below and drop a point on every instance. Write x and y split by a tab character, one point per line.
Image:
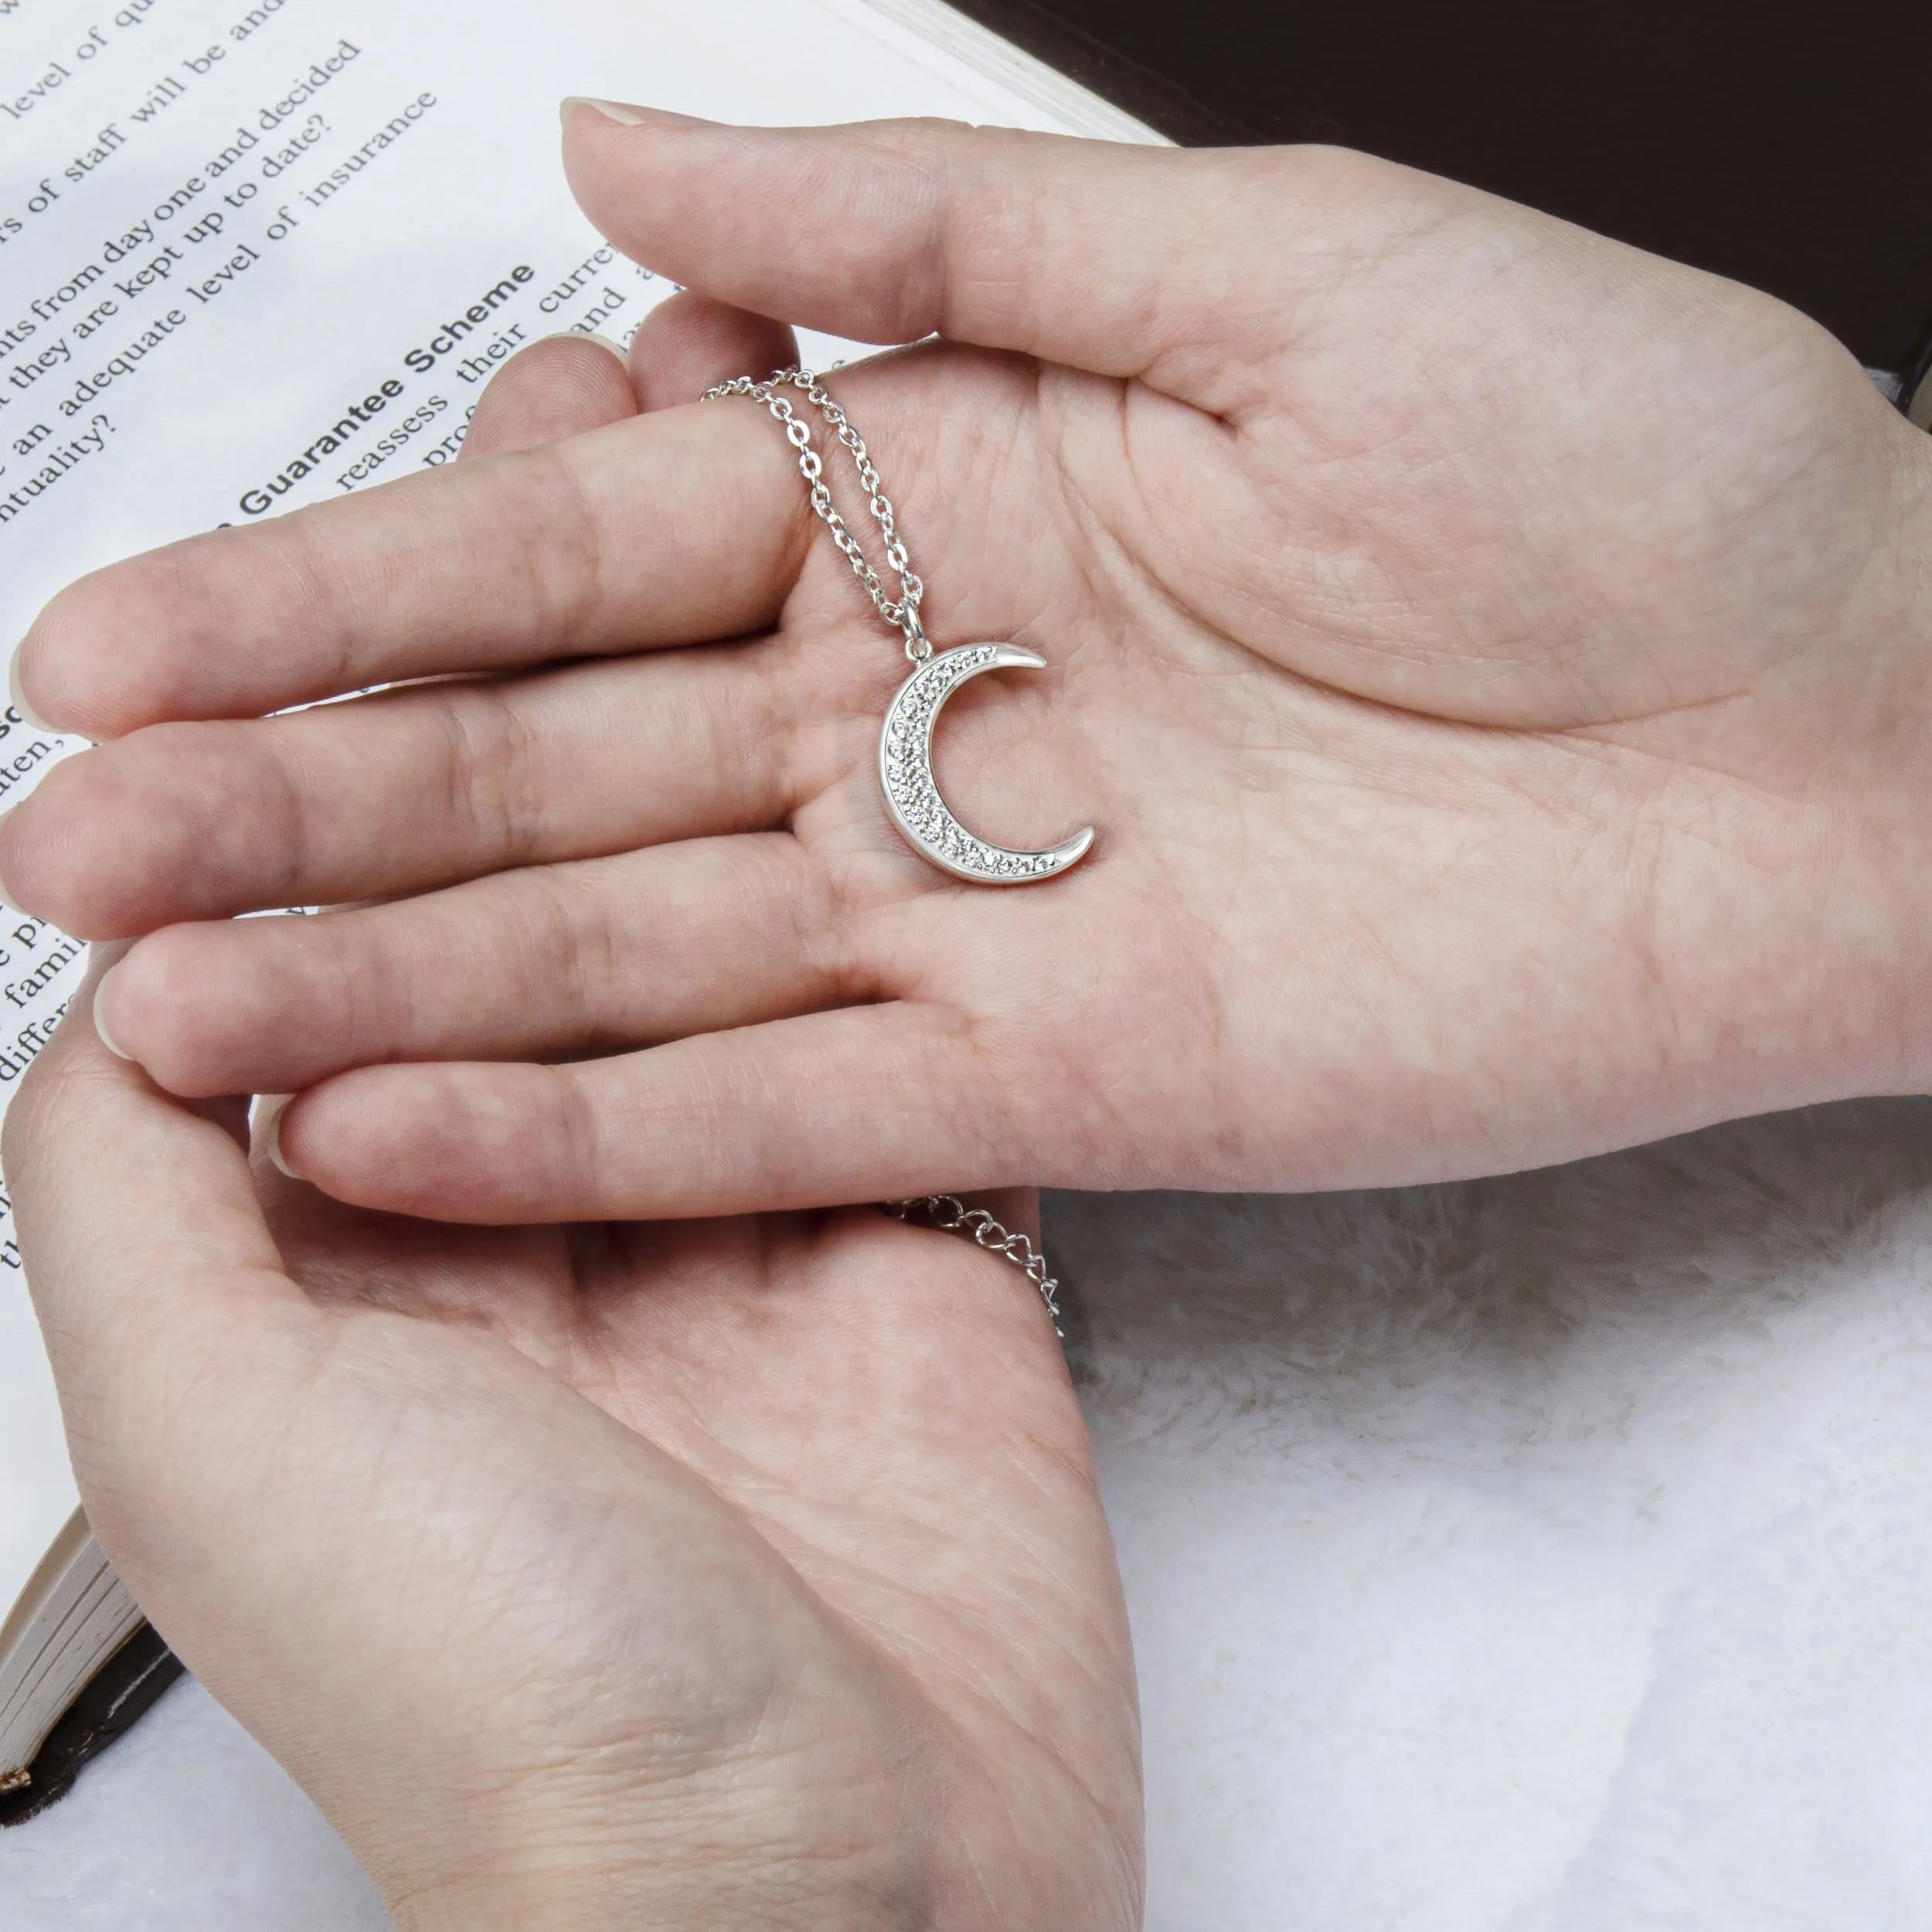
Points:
830	1831
885	1822
683	1865
1885	788
1780	832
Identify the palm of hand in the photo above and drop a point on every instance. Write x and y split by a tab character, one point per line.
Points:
878	1636
675	1573
1431	615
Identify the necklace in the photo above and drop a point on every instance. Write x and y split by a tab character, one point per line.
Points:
951	1216
906	738
906	746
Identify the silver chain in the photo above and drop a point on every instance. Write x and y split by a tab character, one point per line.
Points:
946	1212
949	1214
902	613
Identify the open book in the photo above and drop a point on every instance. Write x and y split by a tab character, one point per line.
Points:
256	253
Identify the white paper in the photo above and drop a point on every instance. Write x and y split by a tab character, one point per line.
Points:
224	228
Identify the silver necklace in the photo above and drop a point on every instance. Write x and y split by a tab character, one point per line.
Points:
906	746
948	1213
906	738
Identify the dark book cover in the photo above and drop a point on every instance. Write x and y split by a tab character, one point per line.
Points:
116	1698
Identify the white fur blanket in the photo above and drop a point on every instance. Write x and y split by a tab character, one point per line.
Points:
1541	1555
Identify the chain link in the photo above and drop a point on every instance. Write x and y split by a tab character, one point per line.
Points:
951	1216
901	612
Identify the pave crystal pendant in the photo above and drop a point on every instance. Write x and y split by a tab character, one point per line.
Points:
912	795
906	739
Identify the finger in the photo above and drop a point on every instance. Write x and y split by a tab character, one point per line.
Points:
1116	259
567	385
562	386
560	959
689	341
146	1244
675	528
859	1105
204	820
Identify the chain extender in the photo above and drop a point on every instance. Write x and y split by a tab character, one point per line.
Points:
951	1216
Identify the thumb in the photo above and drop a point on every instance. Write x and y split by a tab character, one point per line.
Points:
1123	260
160	1291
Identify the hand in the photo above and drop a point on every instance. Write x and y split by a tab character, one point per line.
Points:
744	1573
1494	660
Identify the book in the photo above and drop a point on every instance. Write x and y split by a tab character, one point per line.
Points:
254	253
1915	388
78	1664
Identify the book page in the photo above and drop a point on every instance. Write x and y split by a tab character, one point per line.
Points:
254	253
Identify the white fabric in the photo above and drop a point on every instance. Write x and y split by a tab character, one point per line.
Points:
186	1826
1546	1555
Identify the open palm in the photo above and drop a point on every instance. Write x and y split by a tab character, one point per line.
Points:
1491	657
744	1573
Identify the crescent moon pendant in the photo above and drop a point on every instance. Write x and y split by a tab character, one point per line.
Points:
911	795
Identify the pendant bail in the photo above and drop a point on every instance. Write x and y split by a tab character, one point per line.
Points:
919	647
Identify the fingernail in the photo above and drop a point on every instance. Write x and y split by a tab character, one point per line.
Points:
269	1109
28	714
101	1018
626	115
